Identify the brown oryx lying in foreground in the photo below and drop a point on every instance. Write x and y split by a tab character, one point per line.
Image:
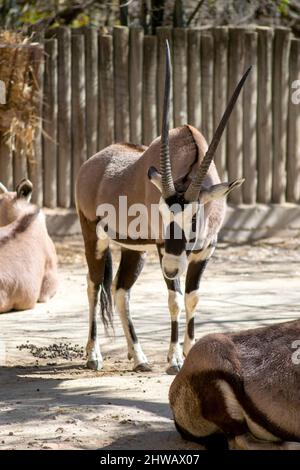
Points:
28	258
245	385
187	185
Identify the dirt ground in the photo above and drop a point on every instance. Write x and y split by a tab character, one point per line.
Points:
53	402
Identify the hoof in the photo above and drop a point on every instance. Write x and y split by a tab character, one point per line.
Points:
142	368
173	370
94	365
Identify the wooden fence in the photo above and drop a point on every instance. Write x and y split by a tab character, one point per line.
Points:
101	88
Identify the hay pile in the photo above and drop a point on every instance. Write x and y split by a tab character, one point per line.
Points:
19	116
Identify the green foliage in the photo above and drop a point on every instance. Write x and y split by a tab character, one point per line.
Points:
283	7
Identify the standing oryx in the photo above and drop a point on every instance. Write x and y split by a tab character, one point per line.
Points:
187	185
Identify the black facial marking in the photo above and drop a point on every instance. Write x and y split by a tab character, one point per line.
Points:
191	328
175	240
194	274
174	331
177	198
172	284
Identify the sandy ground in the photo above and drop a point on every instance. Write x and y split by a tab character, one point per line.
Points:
55	403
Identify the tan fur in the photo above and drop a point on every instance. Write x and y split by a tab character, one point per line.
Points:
243	383
28	271
121	169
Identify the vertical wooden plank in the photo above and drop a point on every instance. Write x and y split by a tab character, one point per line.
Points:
6	168
50	124
235	124
121	83
6	155
19	159
180	76
78	107
264	114
91	90
106	92
194	78
280	111
249	120
220	93
64	113
149	89
162	34
135	83
207	76
35	167
293	153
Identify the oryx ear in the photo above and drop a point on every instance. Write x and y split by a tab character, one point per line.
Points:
217	191
155	177
3	189
24	190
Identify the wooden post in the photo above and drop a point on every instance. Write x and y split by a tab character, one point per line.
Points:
220	93
6	157
121	83
249	120
50	124
64	113
78	107
35	166
162	34
149	89
235	124
106	92
293	153
6	168
207	76
264	114
280	111
180	76
135	84
194	78
91	90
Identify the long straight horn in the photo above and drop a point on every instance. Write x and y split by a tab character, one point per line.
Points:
168	188
192	193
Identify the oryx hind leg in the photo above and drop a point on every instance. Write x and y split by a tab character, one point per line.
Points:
96	254
175	303
130	267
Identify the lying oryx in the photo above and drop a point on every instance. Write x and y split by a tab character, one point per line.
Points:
180	195
245	385
28	259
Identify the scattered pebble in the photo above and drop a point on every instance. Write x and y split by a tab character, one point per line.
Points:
56	350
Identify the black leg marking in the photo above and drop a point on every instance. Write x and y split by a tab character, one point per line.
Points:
191	328
132	332
194	274
174	331
131	265
94	331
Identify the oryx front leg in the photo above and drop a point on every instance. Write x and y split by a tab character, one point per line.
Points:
193	277
131	265
175	302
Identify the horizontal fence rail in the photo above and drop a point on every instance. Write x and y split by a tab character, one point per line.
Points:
99	89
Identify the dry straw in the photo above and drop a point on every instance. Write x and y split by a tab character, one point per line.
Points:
19	116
